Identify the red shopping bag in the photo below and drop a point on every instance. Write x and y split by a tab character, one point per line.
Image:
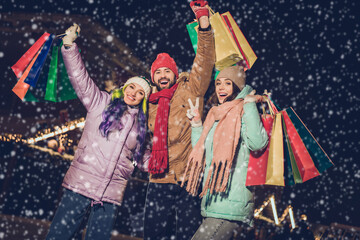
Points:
20	66
256	174
21	88
258	161
304	162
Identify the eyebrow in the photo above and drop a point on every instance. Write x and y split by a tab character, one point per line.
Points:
226	79
164	69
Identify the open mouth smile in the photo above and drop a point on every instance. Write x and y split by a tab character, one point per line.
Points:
164	82
131	98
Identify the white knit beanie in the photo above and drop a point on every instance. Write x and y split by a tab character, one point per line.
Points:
145	84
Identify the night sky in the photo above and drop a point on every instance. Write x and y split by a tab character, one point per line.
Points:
308	57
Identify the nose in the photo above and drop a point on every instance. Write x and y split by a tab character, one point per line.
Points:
162	74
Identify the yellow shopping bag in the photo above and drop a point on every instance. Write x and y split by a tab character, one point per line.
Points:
231	46
242	44
275	166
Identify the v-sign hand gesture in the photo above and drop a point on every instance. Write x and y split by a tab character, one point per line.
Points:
193	113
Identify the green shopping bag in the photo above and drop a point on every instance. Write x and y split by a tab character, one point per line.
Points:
58	86
320	158
50	93
292	175
193	34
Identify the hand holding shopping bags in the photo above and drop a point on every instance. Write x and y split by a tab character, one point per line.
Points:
71	34
42	77
293	154
231	45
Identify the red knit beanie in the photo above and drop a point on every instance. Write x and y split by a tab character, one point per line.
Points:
164	60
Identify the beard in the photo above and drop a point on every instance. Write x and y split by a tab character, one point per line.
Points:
169	84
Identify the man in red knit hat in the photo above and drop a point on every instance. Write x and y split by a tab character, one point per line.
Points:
168	206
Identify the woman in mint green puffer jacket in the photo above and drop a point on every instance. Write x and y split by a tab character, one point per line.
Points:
226	210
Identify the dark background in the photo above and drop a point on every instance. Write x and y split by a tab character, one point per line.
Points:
308	57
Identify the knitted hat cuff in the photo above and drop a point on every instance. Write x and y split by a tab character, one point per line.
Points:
164	60
142	82
235	73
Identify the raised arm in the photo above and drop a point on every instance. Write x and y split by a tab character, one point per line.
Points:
85	88
200	75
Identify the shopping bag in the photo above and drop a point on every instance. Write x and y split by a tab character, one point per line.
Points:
275	165
34	73
303	159
58	86
65	90
242	44
21	88
292	174
50	93
20	66
44	78
39	90
192	30
231	46
257	166
267	167
297	154
318	155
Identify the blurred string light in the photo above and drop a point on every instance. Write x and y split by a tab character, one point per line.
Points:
48	133
44	134
7	137
52	152
69	126
277	221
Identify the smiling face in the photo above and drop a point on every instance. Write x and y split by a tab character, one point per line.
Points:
164	78
223	88
133	94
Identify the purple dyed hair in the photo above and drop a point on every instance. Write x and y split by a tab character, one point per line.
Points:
111	118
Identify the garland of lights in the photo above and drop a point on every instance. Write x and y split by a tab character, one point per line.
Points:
45	134
80	123
52	152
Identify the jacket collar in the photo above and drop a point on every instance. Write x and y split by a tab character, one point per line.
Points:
133	110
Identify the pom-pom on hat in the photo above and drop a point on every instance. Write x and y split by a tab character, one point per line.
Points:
164	60
235	73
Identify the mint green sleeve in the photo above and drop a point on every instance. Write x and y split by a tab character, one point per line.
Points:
195	134
252	130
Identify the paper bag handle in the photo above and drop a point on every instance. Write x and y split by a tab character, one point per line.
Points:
210	10
271	107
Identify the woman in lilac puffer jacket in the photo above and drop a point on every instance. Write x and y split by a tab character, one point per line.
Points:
110	147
